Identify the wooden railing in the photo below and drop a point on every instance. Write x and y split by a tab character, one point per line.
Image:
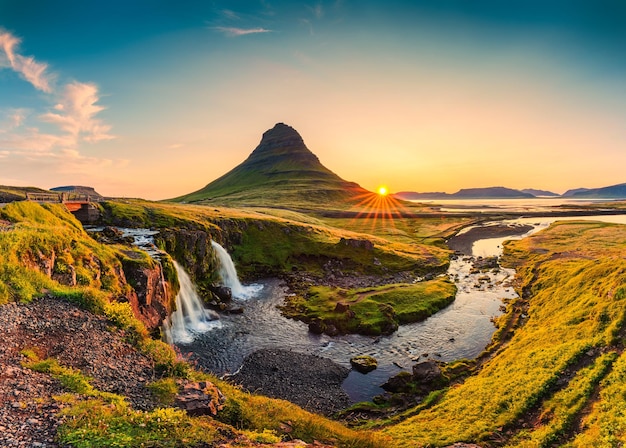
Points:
63	197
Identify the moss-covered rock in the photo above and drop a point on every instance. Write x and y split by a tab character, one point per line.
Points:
364	363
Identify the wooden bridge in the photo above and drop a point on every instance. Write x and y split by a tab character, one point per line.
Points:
80	204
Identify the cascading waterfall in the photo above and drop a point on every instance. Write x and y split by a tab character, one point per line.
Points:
228	274
190	317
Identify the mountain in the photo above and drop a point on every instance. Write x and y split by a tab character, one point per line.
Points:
539	193
574	191
467	193
490	193
414	195
612	192
281	170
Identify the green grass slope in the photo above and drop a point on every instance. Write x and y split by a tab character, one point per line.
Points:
559	365
281	171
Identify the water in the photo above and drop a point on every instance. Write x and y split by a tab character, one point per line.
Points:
228	275
519	205
462	330
190	319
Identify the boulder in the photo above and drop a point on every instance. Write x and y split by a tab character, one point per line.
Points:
341	307
426	372
364	363
357	243
224	293
399	383
199	398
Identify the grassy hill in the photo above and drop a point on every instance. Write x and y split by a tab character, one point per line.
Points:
11	194
281	170
560	379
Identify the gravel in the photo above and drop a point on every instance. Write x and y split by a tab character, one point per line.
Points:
310	381
29	414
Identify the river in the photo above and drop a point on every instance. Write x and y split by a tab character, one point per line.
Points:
462	330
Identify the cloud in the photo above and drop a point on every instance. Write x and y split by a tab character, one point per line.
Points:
11	119
77	110
26	66
317	10
229	14
51	137
235	32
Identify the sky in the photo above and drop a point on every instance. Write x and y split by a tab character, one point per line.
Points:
157	98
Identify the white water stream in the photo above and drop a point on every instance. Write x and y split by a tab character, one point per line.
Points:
190	318
229	277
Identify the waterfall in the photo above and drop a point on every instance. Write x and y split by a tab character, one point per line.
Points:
190	317
228	274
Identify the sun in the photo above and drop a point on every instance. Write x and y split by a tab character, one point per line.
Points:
382	191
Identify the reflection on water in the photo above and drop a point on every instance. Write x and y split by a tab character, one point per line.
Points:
462	330
519	205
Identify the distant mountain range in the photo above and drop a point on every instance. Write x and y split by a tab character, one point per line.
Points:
612	192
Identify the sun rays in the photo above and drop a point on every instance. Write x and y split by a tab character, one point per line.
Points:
379	209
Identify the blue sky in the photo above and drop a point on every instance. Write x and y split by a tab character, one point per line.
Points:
157	98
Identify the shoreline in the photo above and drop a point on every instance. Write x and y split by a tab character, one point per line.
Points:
312	382
462	243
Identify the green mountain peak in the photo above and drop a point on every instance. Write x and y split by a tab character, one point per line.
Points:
280	171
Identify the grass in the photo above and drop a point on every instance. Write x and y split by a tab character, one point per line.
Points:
605	425
574	277
94	418
372	311
272	241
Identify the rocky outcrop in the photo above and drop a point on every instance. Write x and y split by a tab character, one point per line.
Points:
192	249
357	243
364	363
199	398
426	376
150	297
143	285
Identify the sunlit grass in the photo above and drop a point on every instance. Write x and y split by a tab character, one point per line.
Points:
576	276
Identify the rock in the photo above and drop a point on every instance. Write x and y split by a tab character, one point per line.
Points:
364	363
150	300
224	293
357	243
426	372
310	381
235	310
341	307
399	383
66	277
317	326
200	398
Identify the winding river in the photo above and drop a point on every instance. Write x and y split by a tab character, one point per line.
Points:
462	330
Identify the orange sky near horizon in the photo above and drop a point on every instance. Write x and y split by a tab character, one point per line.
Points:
410	95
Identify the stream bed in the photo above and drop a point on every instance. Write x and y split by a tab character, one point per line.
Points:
461	330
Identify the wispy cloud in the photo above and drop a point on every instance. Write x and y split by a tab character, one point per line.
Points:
26	66
230	14
235	32
53	135
317	10
76	113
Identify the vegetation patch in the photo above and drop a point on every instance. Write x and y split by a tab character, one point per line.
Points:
370	311
573	277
